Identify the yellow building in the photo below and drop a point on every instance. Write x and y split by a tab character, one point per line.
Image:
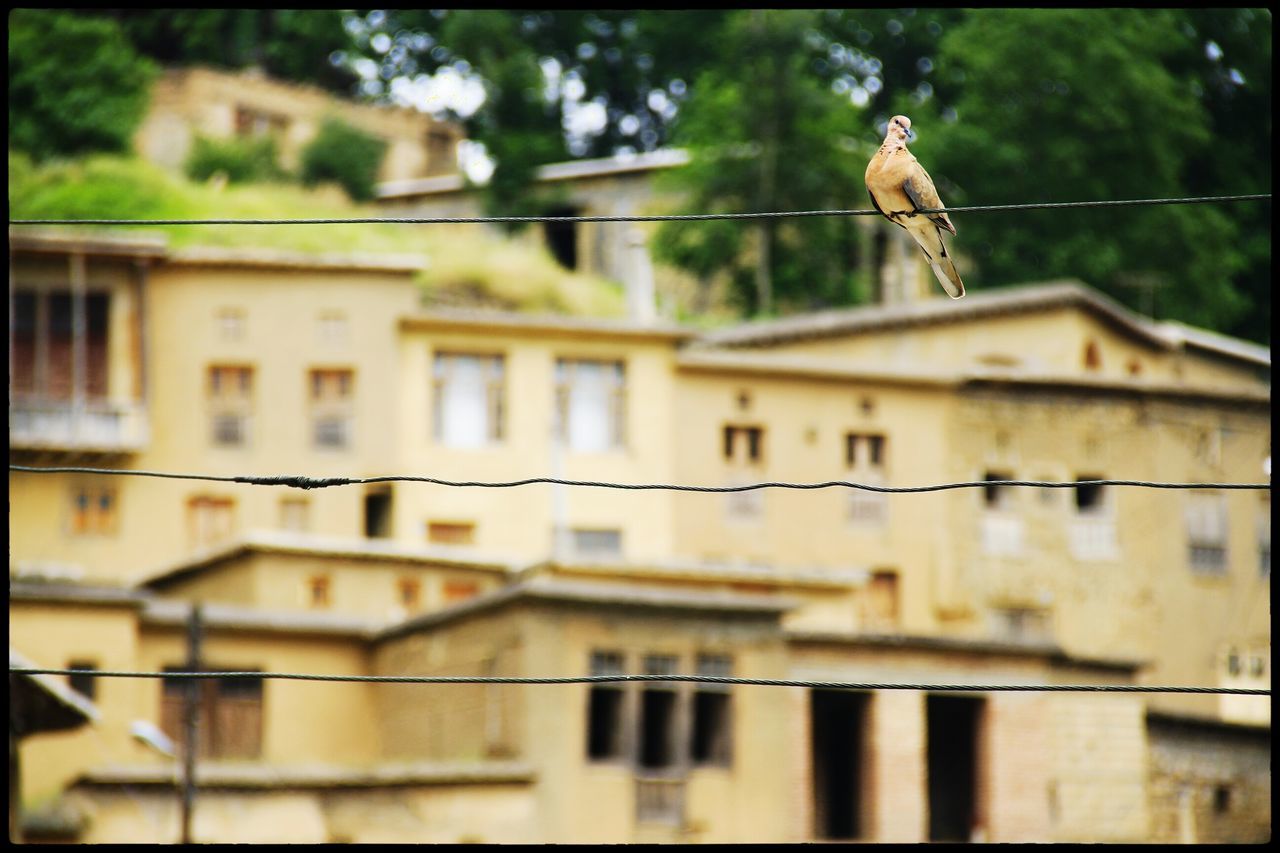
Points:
196	101
127	354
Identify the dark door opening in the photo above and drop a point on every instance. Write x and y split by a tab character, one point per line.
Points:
953	726
838	721
377	514
657	728
562	237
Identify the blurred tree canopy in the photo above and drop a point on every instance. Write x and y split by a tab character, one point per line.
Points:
76	85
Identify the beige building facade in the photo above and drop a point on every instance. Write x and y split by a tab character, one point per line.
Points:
196	101
127	354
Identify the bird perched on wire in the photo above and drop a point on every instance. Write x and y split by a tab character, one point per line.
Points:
899	185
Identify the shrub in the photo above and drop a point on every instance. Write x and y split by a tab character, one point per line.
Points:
243	160
345	155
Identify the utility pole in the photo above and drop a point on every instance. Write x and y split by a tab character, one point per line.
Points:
191	720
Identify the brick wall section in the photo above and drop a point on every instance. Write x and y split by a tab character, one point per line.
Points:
1099	757
1015	768
898	793
801	767
1189	762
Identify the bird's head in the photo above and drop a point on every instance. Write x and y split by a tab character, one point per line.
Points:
899	129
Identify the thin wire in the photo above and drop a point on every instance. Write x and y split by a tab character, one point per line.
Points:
302	482
690	217
695	679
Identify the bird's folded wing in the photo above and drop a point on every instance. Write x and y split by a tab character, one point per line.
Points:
919	188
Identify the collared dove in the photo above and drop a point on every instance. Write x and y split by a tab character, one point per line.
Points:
898	184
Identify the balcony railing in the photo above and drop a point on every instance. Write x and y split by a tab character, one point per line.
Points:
90	426
1093	539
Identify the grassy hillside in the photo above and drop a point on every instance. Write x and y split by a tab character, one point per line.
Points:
468	265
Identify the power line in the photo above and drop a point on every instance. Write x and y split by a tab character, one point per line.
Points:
303	482
690	217
695	679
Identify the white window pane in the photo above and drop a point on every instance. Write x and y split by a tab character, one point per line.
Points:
589	407
465	411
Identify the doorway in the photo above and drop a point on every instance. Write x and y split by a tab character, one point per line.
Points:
954	729
838	726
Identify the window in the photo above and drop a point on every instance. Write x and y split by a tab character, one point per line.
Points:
1090	499
256	122
994	497
1221	799
1206	521
597	543
331	391
295	514
1020	624
460	590
409	591
332	328
231	324
881	603
83	682
318	591
229	712
230	398
658	706
93	510
1092	356
743	445
562	237
210	520
865	459
467	403
377	512
591	404
711	734
605	707
43	343
451	533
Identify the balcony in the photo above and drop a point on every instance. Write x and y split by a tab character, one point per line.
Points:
90	427
660	800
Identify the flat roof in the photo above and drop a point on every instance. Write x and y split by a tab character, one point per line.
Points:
619	164
587	327
177	614
220	256
67	592
215	774
63	240
916	642
313	545
602	595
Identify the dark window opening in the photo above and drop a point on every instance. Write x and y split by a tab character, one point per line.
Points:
711	728
953	766
1221	799
604	723
82	682
995	497
838	721
1092	356
562	238
740	440
1089	499
377	514
657	728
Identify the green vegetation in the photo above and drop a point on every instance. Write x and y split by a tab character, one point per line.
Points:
241	160
75	84
345	155
467	266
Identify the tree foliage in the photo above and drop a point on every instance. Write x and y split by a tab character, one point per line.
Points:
75	85
1065	105
345	155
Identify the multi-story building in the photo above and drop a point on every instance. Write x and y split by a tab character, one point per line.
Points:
126	354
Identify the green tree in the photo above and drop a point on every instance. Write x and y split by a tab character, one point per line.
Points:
766	134
1065	105
75	84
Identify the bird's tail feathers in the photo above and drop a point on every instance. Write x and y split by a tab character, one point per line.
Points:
948	277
